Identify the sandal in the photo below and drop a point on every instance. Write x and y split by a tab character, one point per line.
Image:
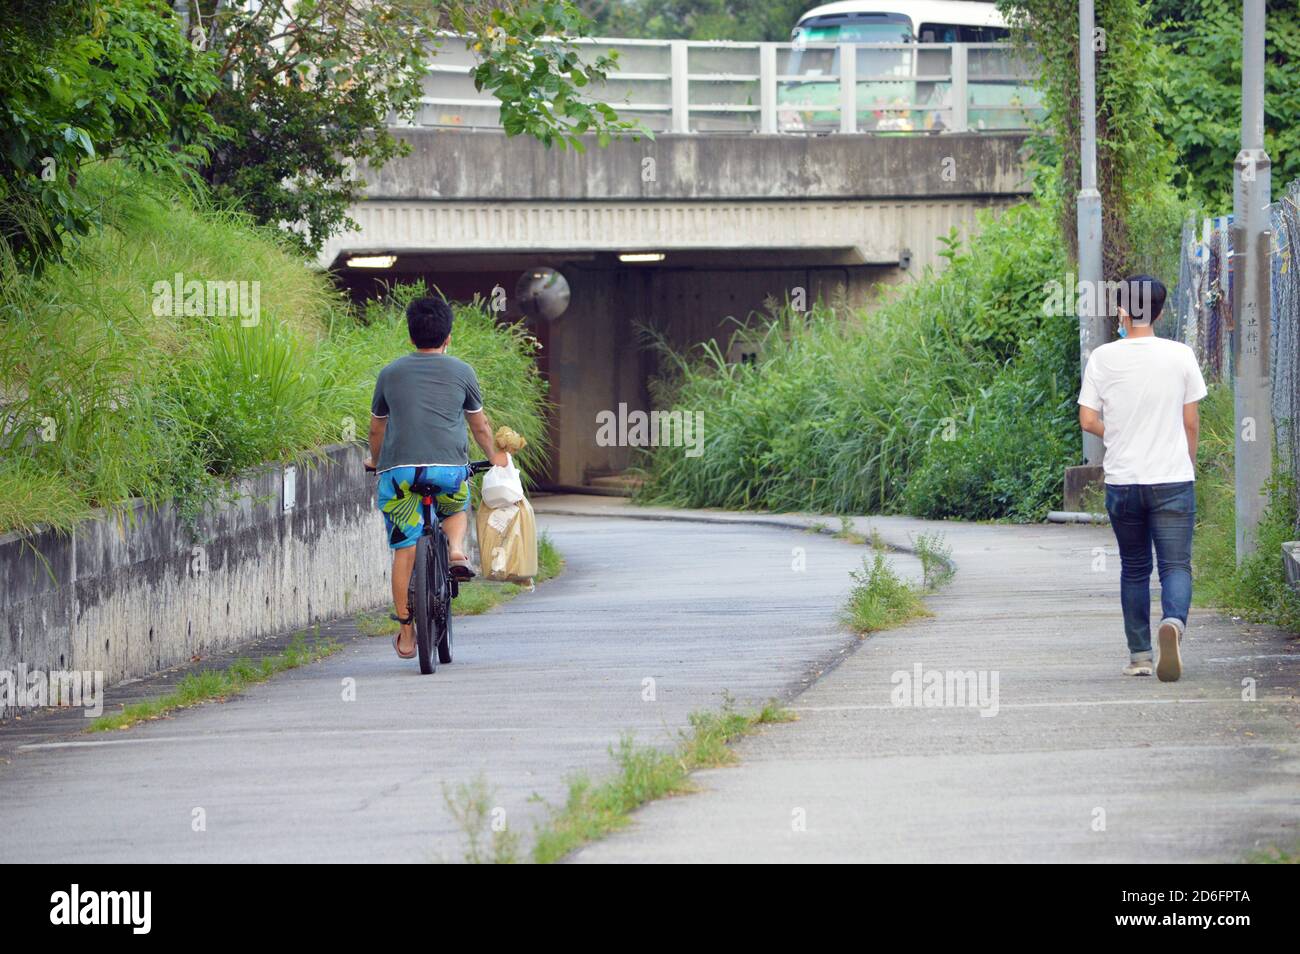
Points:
402	622
462	571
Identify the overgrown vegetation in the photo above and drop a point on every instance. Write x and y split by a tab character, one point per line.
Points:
955	399
84	80
1198	78
208	685
1257	589
594	810
1133	161
108	392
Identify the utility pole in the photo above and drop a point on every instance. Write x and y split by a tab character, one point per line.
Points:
1092	321
1251	239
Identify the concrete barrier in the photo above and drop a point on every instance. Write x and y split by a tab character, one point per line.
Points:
131	593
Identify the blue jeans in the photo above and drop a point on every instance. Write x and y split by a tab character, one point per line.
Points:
1142	515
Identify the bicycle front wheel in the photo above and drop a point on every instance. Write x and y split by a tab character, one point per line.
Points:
442	626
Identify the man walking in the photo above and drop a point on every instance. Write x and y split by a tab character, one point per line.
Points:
1139	395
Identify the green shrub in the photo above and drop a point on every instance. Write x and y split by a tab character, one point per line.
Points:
1006	457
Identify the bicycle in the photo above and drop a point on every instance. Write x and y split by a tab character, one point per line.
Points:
429	605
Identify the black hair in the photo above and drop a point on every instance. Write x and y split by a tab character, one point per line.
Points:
429	321
1145	298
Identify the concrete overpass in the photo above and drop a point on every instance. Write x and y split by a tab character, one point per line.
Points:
738	217
834	200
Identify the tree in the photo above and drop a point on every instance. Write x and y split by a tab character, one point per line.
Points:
696	19
1133	161
273	103
83	80
1200	86
307	89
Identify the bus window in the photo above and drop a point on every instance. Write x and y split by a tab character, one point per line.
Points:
851	28
952	33
863	28
939	33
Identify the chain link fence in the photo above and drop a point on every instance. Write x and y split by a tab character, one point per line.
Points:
1202	313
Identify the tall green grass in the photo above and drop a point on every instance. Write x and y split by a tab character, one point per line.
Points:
103	399
1257	589
503	357
941	402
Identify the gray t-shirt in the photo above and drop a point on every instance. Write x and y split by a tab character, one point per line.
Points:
425	398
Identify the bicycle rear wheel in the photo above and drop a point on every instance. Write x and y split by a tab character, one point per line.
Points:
423	583
442	602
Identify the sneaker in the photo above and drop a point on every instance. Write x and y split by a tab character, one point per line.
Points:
1138	667
1169	665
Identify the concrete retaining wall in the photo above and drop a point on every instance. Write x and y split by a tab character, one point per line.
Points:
132	597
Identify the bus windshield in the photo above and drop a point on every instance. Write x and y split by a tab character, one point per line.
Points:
871	28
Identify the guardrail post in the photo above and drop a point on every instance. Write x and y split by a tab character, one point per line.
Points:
960	95
681	87
848	88
767	87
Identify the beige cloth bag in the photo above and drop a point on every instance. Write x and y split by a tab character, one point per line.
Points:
507	540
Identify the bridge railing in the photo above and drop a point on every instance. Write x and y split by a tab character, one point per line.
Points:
797	88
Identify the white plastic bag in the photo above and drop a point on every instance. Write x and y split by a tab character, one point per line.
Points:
502	486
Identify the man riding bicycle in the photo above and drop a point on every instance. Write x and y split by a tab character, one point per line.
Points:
417	433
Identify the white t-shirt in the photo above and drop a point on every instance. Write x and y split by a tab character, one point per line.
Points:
1140	386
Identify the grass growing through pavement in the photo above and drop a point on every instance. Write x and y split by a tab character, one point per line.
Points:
880	598
479	596
937	568
645	773
848	533
471	805
210	684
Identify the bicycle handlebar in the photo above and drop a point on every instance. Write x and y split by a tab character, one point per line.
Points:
475	467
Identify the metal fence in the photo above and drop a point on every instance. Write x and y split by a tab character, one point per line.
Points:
684	86
1202	303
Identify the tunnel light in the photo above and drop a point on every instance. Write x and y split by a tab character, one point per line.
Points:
372	261
642	257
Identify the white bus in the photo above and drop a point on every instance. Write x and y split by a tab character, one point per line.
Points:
904	21
908	103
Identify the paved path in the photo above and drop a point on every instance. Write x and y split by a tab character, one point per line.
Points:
1184	771
542	686
540	689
